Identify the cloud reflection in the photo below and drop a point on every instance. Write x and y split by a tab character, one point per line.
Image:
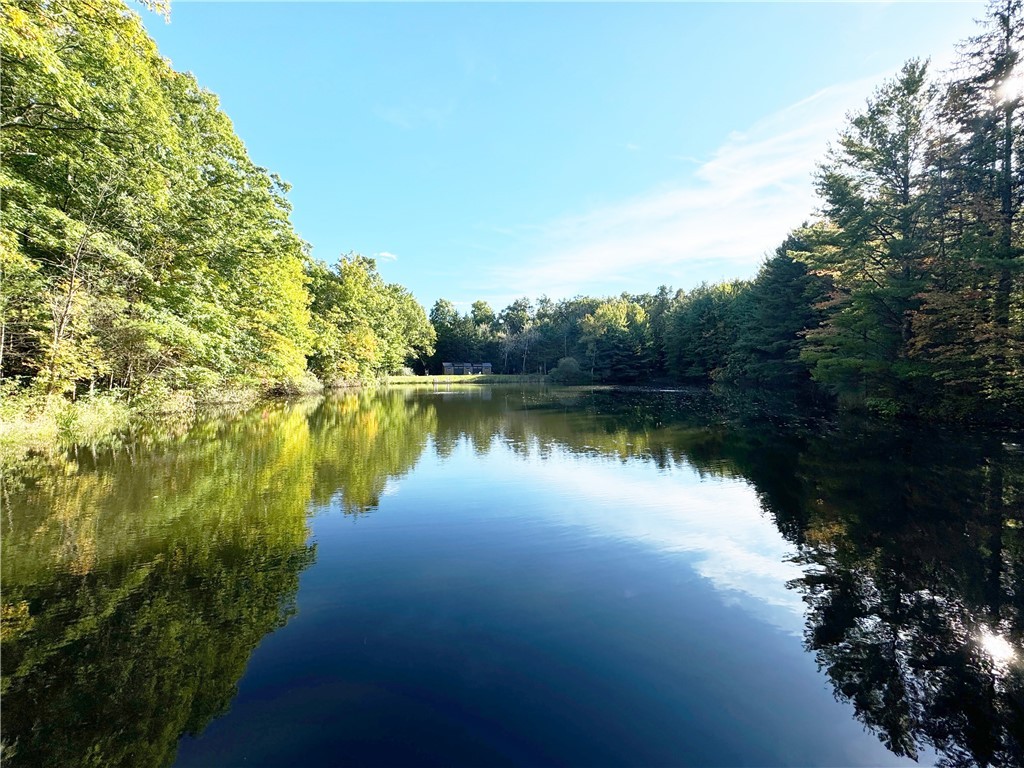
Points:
717	522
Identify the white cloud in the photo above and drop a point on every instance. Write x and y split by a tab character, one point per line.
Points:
385	256
717	524
410	117
715	223
395	116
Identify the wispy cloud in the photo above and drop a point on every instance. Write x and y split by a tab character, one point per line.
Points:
385	256
717	523
715	223
414	116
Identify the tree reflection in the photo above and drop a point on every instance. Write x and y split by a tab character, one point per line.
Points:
913	557
911	542
363	439
139	576
138	581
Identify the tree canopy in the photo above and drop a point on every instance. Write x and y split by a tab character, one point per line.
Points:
140	243
905	296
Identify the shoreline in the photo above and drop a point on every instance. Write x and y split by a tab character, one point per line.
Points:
31	422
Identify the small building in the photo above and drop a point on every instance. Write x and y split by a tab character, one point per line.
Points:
465	369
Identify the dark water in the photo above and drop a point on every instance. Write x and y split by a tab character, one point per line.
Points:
496	576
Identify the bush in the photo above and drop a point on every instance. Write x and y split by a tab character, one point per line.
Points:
32	420
156	397
301	386
568	371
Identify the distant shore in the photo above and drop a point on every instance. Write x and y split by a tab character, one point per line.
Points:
35	421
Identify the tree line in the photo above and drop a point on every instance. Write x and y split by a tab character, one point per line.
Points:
142	247
904	296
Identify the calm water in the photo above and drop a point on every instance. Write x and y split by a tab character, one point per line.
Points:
525	577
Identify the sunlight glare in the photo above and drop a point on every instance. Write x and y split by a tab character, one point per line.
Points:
997	647
1013	87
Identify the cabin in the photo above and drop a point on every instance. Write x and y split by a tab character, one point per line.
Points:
464	369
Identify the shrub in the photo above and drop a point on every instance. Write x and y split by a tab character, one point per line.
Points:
568	371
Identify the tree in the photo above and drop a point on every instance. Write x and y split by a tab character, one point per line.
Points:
364	327
701	329
772	320
458	338
874	251
484	317
617	339
134	216
971	330
516	322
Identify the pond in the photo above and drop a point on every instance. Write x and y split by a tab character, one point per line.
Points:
514	576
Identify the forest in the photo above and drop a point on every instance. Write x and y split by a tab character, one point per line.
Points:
904	297
141	246
143	252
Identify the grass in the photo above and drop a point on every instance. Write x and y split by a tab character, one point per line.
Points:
476	378
31	421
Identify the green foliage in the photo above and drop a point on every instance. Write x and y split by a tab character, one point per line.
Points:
922	246
617	340
568	371
32	420
483	316
875	252
906	298
142	250
138	282
701	330
364	328
462	338
139	243
773	318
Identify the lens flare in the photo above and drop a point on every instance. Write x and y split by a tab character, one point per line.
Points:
1012	87
997	647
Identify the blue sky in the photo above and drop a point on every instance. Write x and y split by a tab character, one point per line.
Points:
485	150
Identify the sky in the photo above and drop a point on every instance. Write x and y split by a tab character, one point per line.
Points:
498	150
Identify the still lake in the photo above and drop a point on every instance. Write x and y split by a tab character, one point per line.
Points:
514	576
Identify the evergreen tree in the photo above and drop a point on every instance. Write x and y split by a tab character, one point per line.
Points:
970	327
701	330
772	320
874	249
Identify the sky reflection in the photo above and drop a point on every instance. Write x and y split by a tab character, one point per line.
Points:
717	522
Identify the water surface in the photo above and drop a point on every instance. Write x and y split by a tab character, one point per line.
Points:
489	576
